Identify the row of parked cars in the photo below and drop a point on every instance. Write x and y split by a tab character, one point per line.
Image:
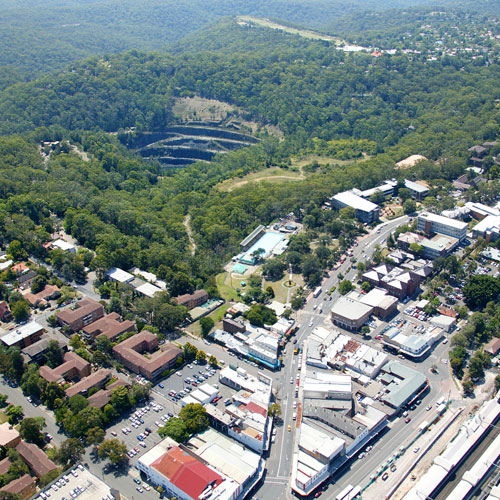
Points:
63	481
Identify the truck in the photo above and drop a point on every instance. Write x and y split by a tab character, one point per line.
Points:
317	292
344	493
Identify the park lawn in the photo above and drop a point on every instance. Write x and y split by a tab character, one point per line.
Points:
227	286
280	292
3	418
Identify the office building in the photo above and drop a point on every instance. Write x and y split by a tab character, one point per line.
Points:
432	223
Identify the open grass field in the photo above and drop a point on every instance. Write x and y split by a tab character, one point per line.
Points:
272	175
311	35
227	286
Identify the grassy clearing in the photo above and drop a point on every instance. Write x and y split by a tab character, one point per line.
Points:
3	418
311	35
273	175
227	286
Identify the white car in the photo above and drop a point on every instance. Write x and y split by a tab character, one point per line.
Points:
157	424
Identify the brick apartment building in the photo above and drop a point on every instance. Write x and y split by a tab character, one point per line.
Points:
194	299
87	312
129	353
73	367
109	326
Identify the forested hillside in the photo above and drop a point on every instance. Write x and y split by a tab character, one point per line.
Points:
326	101
39	36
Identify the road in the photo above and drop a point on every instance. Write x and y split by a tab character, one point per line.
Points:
279	461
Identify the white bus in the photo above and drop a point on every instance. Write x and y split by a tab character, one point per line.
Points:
354	493
343	494
317	292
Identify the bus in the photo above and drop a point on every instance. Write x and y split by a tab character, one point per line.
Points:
343	494
354	493
317	292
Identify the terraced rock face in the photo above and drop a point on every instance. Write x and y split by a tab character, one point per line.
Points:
181	145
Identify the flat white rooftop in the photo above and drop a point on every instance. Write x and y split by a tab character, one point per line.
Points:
21	332
357	202
439	219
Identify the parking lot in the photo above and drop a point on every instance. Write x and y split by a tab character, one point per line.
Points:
199	375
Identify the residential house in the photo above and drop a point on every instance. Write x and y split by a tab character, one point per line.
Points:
41	298
5	314
26	279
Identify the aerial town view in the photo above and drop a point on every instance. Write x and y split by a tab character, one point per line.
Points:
250	250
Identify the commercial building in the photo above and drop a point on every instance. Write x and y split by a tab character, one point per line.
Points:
119	275
86	311
366	211
402	384
73	367
488	228
418	191
129	353
350	314
341	352
433	223
23	335
324	385
414	345
439	246
110	326
191	300
210	466
384	305
255	343
332	426
317	449
447	323
97	379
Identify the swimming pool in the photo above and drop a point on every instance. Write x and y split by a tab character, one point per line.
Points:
267	242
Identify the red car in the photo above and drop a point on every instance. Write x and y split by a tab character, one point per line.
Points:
317	494
408	419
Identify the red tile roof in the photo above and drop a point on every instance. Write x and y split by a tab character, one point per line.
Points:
255	408
186	472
